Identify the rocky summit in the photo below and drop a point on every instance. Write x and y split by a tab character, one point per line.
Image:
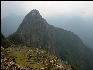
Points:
34	31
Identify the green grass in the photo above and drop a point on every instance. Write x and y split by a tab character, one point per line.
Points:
22	60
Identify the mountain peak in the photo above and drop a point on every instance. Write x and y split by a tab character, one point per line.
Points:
34	12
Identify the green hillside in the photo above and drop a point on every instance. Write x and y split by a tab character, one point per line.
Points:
25	58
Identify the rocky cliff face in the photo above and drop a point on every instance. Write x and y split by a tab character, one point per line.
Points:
36	32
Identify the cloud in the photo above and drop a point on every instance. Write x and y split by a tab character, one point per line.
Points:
53	8
11	7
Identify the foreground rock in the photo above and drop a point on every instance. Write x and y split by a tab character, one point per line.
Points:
16	58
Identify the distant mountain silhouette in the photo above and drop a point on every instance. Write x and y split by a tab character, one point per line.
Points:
82	26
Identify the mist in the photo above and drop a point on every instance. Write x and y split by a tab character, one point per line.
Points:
72	16
48	8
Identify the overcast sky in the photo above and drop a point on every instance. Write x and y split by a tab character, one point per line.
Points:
48	8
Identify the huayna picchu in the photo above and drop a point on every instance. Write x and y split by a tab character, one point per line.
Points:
34	31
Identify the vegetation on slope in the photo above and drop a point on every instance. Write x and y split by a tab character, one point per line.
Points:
5	42
22	57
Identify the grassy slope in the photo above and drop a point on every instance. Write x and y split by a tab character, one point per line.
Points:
39	59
